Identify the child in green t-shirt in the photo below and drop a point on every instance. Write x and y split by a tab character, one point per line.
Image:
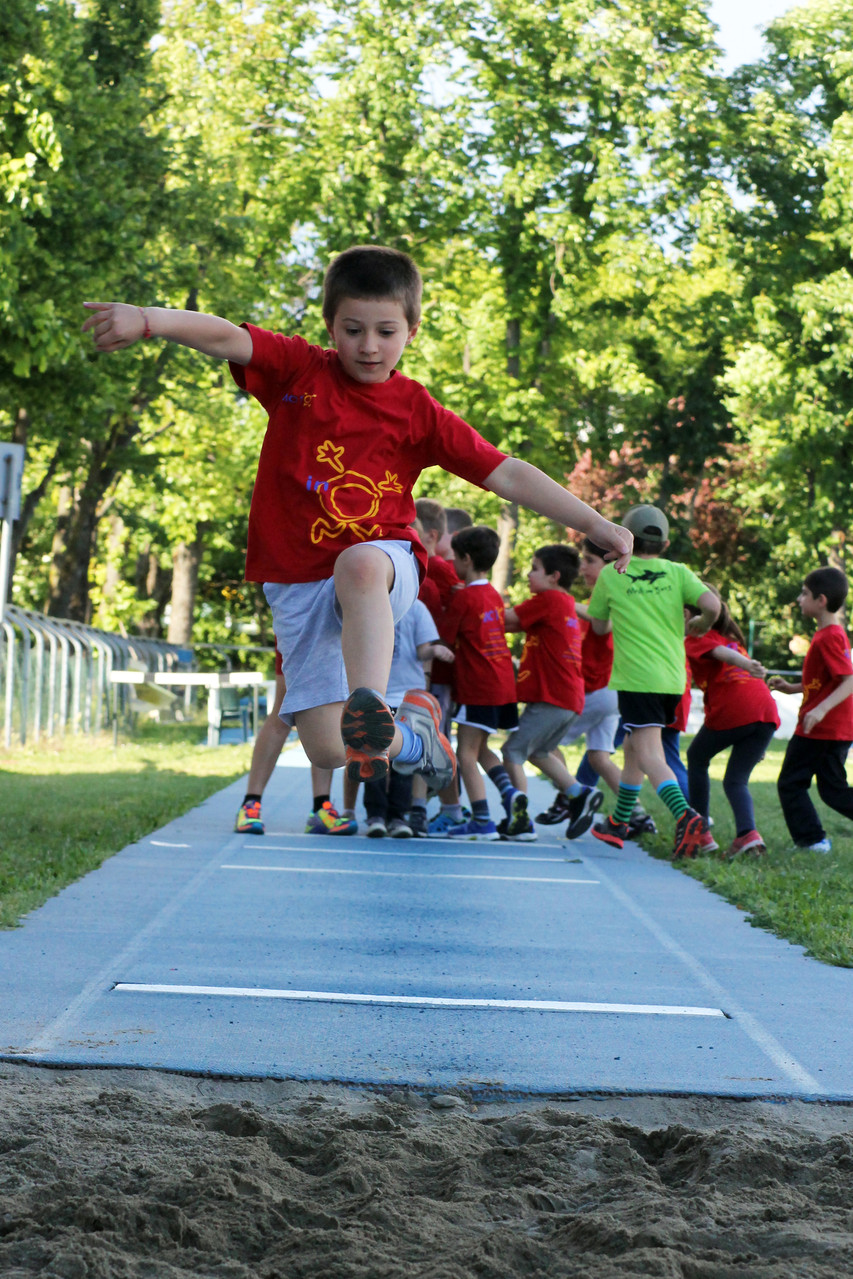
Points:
644	608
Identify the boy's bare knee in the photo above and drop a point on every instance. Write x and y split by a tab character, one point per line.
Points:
363	568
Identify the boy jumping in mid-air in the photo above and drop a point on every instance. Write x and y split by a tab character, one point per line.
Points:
330	523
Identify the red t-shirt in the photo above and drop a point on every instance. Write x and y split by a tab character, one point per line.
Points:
441	578
339	458
827	664
473	626
682	710
733	697
550	669
596	658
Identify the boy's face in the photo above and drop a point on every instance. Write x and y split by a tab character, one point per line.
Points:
591	566
370	335
538	580
809	606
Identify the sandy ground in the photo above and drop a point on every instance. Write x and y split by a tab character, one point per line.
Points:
125	1174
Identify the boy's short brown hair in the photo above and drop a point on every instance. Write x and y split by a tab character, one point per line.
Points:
373	271
431	515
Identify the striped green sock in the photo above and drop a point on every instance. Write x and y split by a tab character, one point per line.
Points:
625	801
673	796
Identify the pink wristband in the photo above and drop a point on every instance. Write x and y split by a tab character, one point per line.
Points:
147	331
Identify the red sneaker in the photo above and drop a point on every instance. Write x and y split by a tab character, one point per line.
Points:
751	842
689	830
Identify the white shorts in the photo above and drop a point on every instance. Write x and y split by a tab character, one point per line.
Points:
597	722
306	618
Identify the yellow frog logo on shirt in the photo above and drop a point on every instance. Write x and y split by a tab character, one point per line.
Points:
349	499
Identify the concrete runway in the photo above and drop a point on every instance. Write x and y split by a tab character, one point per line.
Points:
500	969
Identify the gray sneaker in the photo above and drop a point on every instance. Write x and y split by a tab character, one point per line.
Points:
420	710
398	829
376	828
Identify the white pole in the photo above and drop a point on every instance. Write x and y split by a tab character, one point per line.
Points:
5	564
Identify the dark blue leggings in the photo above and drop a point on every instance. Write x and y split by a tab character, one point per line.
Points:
749	745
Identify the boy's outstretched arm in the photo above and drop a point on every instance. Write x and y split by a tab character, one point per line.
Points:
518	481
115	325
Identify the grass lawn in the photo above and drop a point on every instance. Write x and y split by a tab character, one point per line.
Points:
804	897
69	806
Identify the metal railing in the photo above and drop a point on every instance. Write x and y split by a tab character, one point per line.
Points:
55	673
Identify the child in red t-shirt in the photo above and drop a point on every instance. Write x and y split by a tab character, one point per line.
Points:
739	713
550	680
824	732
330	521
484	682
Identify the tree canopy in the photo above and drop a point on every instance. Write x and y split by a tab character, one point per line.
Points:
637	271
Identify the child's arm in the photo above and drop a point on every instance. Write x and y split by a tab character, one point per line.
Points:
710	606
730	657
779	685
115	325
434	649
511	622
518	481
840	694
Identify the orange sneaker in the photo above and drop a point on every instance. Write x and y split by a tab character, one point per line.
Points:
367	727
422	713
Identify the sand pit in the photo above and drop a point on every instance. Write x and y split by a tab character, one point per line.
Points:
132	1174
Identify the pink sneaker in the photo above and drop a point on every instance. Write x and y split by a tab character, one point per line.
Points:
751	842
707	844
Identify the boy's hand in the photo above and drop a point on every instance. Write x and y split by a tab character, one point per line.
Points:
813	717
755	668
115	325
613	538
443	653
777	684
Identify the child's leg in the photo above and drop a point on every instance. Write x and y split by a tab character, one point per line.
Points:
705	745
271	737
669	741
832	784
602	763
469	743
364	576
748	749
795	778
320	734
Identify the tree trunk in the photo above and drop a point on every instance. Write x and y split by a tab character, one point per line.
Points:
186	558
507	529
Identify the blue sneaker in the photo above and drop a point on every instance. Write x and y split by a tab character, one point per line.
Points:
441	826
474	830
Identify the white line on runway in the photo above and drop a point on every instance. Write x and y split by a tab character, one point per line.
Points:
405	874
376	852
161	843
778	1054
430	1001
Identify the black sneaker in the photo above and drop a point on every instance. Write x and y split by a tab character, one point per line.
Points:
610	832
517	817
558	812
582	809
640	823
418	822
689	830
